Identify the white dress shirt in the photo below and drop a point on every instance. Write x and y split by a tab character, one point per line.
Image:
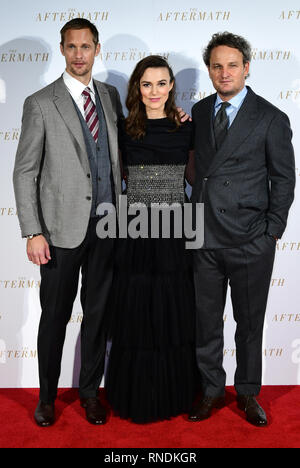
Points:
75	88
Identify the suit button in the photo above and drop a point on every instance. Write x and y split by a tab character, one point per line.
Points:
99	179
222	210
226	183
88	198
88	176
205	179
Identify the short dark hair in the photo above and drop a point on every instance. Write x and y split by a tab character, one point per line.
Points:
230	40
80	23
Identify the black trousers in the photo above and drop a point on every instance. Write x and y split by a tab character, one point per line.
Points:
59	286
247	269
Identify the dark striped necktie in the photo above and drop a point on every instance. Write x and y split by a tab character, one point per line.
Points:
221	124
90	113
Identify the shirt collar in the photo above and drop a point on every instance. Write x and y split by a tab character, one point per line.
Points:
235	101
75	86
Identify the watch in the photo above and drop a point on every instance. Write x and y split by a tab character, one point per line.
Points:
31	236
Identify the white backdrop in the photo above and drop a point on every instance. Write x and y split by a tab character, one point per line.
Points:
30	59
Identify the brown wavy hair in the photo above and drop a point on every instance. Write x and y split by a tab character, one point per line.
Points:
135	124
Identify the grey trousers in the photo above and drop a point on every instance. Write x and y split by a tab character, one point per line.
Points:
248	270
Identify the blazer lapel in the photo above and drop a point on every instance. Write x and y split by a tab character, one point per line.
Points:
64	104
207	124
110	118
243	124
106	102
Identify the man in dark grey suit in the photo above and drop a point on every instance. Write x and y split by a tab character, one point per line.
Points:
66	164
245	176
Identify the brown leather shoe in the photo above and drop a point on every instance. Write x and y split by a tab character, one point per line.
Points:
254	412
95	412
203	409
44	414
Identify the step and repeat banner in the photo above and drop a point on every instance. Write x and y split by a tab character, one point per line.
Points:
30	59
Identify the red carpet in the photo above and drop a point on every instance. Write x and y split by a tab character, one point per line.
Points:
227	427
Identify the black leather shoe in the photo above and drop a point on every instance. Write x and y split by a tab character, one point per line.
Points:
95	412
44	414
203	409
254	412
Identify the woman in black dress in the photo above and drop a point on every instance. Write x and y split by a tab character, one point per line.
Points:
152	371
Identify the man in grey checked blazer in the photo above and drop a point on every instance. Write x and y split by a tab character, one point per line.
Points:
61	174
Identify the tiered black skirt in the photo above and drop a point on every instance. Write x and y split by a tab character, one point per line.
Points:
152	372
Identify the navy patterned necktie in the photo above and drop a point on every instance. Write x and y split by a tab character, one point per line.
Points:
221	125
90	113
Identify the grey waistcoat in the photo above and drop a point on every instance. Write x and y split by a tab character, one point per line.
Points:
99	159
